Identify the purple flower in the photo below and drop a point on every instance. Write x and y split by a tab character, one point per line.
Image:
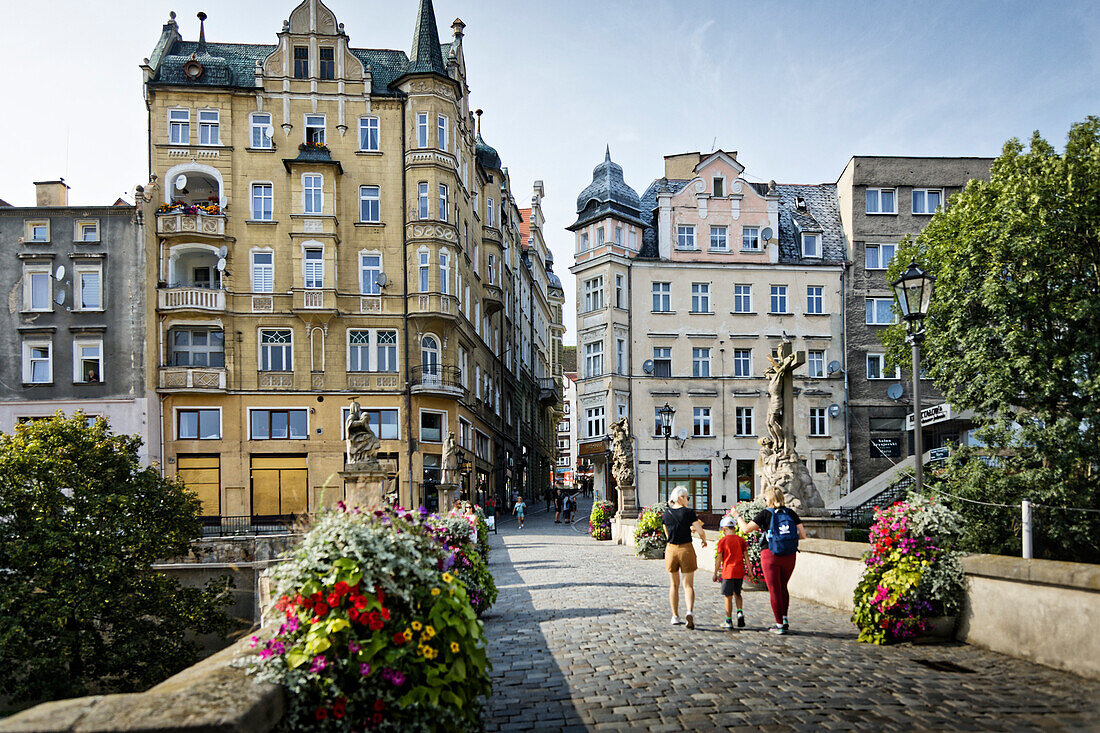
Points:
254	641
398	678
364	669
341	506
265	653
319	663
292	624
353	647
278	647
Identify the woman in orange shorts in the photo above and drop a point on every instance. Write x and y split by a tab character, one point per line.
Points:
679	520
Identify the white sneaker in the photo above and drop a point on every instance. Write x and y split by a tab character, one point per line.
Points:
676	621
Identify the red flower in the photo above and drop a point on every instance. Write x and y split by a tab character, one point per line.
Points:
338	708
341	588
385	614
321	714
359	602
353	614
333	600
398	638
375	621
379	705
376	719
321	609
317	598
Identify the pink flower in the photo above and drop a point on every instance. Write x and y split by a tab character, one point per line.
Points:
319	663
364	669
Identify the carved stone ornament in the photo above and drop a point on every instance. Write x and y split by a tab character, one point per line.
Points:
362	443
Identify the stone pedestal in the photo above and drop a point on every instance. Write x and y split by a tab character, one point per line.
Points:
628	502
446	497
824	528
364	487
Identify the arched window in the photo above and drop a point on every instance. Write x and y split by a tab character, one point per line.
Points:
429	359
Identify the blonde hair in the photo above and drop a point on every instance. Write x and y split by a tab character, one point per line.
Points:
776	498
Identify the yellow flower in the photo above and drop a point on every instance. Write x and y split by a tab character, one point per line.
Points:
431	653
422	651
429	631
447	577
417	625
454	647
435	591
408	634
452	590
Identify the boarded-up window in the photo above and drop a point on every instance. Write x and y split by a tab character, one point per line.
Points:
202	474
279	485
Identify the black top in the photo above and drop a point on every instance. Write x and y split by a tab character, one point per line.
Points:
764	518
679	521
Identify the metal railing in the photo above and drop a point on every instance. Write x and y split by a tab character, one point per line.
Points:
863	516
246	525
437	376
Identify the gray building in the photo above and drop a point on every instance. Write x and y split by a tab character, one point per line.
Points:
881	200
75	334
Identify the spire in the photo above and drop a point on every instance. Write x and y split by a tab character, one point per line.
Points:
607	154
426	56
202	32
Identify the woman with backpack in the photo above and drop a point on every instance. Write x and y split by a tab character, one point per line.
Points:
782	530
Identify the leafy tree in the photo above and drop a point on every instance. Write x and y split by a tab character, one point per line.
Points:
80	522
1014	334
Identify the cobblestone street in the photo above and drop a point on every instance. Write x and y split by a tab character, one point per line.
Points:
580	640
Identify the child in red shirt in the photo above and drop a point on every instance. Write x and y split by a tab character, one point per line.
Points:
730	566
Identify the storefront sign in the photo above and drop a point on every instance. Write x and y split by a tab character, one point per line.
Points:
886	447
679	469
931	415
592	448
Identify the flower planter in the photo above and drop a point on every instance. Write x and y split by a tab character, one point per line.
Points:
942	629
654	553
754	585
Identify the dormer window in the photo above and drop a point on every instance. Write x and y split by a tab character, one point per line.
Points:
719	186
811	245
328	63
301	62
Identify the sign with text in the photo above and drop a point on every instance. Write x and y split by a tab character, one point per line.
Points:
931	415
889	447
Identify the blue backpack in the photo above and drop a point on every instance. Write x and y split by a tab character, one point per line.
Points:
782	534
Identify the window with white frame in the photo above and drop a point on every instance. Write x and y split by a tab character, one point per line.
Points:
719	238
618	234
259	122
815	363
422	129
750	239
662	361
383	422
359	350
368	134
263	201
811	245
700	297
878	256
37	288
600	236
700	362
278	424
38	231
385	352
208	127
263	272
89	288
88	361
662	297
432	426
620	291
196	347
594	422
315	129
313	198
370	204
742	422
819	422
422	200
276	350
742	362
778	299
882	201
87	231
742	298
38	361
444	201
620	356
927	200
179	126
593	359
313	266
424	258
199	424
441	132
593	294
490	212
880	311
685	236
444	271
815	299
490	268
700	422
877	368
583	242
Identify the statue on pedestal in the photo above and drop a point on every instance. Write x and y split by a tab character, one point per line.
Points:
622	466
361	444
450	460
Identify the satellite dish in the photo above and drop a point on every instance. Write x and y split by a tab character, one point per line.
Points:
59	273
683	434
269	131
895	391
834	367
181	182
766	235
647	366
221	265
381	279
223	251
834	410
60	297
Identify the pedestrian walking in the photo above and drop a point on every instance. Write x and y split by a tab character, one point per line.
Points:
520	510
559	503
782	530
549	496
730	569
679	521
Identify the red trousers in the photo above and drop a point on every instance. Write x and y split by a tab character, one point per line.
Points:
777	573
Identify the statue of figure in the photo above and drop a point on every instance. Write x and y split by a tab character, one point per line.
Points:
362	443
622	453
778	376
450	460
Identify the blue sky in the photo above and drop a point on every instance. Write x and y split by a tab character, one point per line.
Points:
795	87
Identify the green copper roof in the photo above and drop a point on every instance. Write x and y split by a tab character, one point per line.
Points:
426	56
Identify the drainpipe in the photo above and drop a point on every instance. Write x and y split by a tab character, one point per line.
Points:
844	366
405	302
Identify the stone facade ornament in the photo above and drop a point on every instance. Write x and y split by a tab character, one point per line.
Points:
362	443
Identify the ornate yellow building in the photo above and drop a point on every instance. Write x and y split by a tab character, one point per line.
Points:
327	224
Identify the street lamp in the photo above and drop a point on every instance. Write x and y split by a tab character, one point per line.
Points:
913	291
726	461
666	414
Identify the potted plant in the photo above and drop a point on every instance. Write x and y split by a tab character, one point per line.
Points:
649	534
599	521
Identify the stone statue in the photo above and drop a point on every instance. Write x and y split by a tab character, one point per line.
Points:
450	460
779	374
362	443
622	453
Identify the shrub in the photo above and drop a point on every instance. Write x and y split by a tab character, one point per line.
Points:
470	564
375	629
599	521
649	534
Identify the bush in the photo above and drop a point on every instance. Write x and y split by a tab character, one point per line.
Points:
376	628
649	534
913	573
599	521
471	563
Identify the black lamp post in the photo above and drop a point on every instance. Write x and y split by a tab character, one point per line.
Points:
913	291
726	461
666	414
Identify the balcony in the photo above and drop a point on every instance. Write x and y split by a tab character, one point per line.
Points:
438	380
549	391
189	379
314	300
433	305
190	221
191	298
494	299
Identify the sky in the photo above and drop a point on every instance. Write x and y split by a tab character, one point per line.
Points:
796	87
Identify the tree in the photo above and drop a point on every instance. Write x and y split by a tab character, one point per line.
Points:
80	523
1014	335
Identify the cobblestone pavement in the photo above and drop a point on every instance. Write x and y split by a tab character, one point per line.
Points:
580	640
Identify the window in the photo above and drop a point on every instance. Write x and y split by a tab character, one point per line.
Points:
315	129
620	291
742	422
198	424
593	294
464	367
700	422
313	266
662	361
312	193
422	130
441	132
811	245
658	424
358	351
431	426
263	272
88	362
87	231
444	271
368	134
37	362
196	347
718	186
179	126
89	285
259	123
37	287
385	351
301	62
815	363
620	357
208	127
700	362
742	298
881	201
742	362
750	238
489	212
620	410
594	422
700	297
383	422
424	260
263	201
599	236
878	256
593	359
490	269
819	426
328	63
662	297
279	424
422	200
927	200
685	237
39	231
719	238
584	242
815	299
370	204
275	351
443	199
779	299
877	368
880	311
618	234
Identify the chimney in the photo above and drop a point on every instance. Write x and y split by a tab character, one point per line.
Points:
51	193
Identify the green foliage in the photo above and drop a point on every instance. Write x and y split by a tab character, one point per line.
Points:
82	522
1013	336
599	521
471	561
649	533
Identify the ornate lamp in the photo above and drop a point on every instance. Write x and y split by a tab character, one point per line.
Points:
666	414
913	291
726	461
